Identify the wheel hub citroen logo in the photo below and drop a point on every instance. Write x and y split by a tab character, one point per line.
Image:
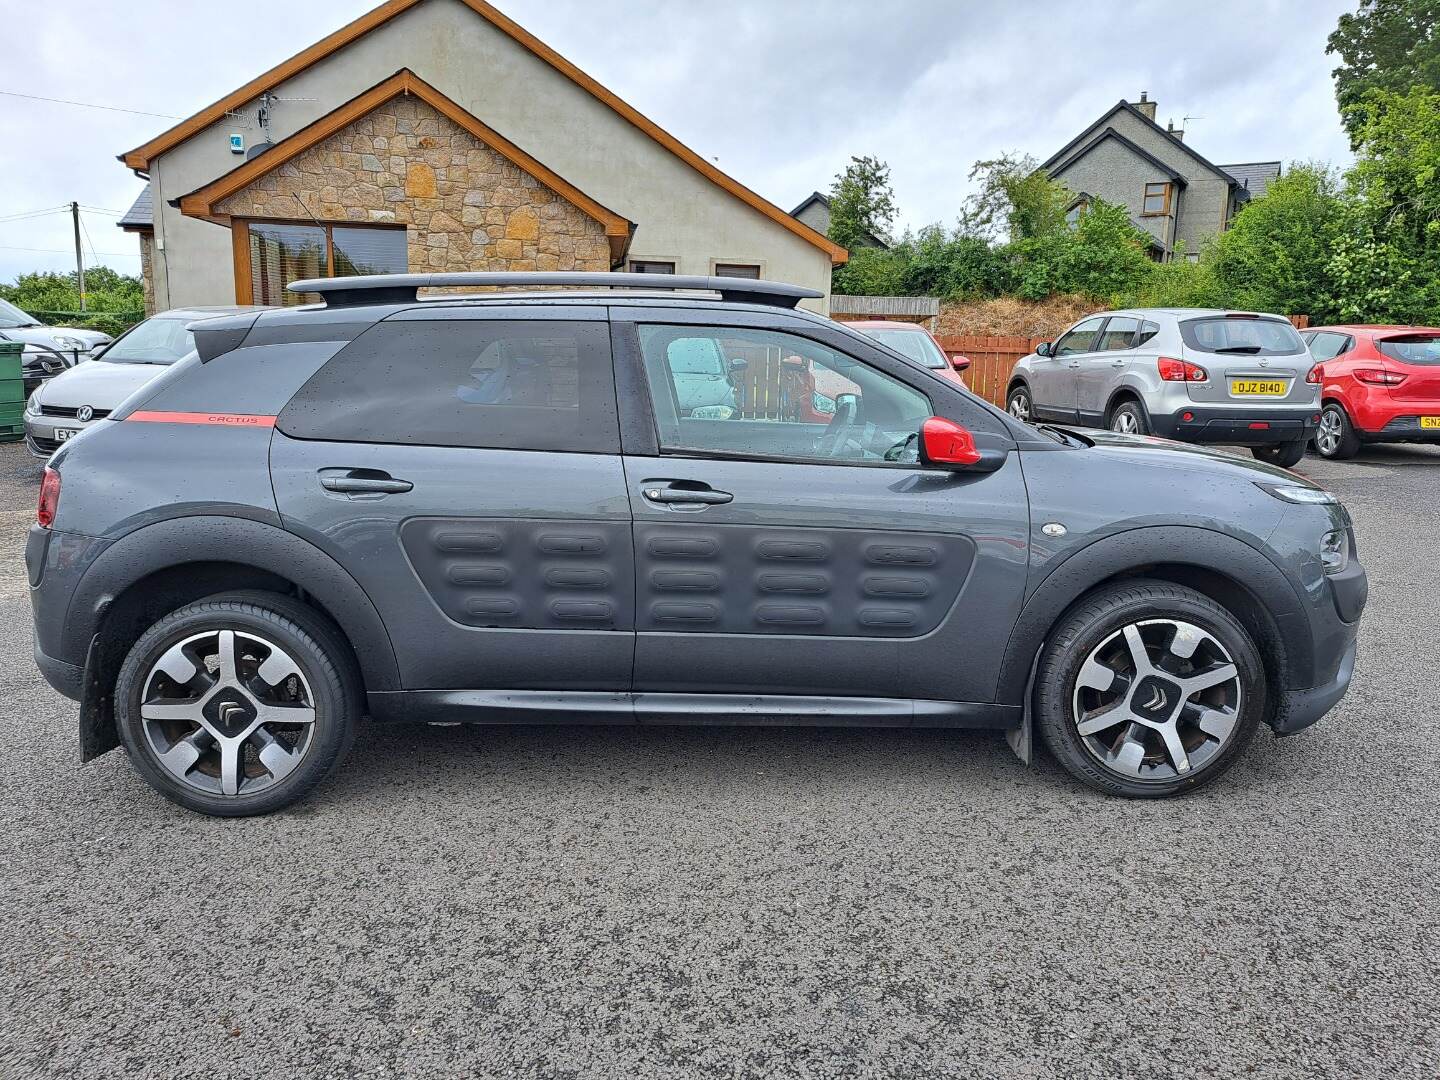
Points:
84	413
1158	699
231	717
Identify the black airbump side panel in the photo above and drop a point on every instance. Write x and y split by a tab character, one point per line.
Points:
741	579
543	575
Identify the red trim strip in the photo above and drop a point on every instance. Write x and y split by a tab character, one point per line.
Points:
221	419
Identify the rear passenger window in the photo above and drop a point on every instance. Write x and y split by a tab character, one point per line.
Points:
521	385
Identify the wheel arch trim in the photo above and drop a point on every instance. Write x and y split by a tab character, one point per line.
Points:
1279	606
175	542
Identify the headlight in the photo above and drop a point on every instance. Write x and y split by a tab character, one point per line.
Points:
74	344
1294	493
32	407
1335	551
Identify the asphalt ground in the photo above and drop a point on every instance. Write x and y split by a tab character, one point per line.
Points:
601	902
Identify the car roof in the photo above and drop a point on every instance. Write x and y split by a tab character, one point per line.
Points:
1371	329
883	324
207	312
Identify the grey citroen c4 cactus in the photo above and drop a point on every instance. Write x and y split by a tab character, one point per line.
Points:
513	507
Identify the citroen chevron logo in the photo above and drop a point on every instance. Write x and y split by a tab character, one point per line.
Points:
227	710
1158	699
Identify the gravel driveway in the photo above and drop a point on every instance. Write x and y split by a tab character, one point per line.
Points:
567	902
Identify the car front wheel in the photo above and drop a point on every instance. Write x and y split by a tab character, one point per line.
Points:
1148	689
1019	405
237	704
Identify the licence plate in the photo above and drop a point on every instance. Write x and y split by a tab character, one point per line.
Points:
1430	423
1259	387
63	433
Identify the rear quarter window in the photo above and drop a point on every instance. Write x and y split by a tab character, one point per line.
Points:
494	384
1241	335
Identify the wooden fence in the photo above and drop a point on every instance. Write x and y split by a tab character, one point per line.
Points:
991	359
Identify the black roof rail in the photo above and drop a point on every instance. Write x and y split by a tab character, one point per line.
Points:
405	288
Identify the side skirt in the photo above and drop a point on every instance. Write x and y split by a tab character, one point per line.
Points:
776	710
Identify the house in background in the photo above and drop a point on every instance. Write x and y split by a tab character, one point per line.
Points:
439	135
815	212
1172	192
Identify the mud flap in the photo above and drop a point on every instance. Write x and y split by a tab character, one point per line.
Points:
1020	739
97	712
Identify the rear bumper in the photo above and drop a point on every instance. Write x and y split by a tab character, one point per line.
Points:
1405	429
1237	427
67	679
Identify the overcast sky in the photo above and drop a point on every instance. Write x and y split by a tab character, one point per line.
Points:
779	92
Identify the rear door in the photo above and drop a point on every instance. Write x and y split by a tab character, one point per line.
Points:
1054	381
1100	370
462	464
780	553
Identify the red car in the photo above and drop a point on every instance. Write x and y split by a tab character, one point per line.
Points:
916	344
1378	384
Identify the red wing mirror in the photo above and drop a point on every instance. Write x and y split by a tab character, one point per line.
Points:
944	442
959	362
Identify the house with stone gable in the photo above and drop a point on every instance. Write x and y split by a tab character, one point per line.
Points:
439	135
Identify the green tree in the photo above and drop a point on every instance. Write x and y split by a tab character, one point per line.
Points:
1388	45
113	300
1103	257
1013	199
1276	254
861	203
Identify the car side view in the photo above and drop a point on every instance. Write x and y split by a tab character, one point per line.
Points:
1378	384
1233	377
917	344
499	508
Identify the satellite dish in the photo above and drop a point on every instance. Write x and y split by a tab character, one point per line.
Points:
257	149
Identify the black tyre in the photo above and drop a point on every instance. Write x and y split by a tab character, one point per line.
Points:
1148	689
1129	419
1019	404
238	704
1336	437
1284	454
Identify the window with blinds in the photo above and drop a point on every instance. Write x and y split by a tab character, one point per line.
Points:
282	253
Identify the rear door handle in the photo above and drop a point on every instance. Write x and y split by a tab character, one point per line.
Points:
675	496
364	482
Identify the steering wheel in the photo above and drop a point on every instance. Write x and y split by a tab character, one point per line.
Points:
832	438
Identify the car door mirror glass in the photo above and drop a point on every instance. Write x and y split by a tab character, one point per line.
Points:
1043	349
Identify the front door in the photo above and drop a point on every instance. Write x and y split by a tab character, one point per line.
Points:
800	548
1054	378
462	465
1101	369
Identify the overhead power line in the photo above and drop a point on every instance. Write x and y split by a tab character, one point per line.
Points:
71	252
33	213
89	105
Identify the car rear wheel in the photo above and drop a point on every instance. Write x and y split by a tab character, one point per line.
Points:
1019	404
1148	689
1283	454
237	704
1335	438
1129	419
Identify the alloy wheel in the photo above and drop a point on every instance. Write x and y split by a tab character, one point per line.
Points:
1125	423
227	712
1329	433
1020	408
1157	700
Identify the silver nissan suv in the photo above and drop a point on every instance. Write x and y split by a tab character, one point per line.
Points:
1235	377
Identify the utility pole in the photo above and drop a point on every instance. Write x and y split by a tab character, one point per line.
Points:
79	255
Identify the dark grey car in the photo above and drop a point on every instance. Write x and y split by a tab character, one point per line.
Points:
501	509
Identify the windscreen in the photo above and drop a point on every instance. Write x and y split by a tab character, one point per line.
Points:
11	317
911	344
155	341
1241	336
1422	349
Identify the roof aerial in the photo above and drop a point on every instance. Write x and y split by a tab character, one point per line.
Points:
405	288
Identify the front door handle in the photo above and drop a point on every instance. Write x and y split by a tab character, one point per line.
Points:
677	496
364	482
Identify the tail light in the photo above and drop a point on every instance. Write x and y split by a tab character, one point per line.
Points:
1315	376
1379	376
1179	371
49	498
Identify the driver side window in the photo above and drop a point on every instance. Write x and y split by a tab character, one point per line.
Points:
1079	340
775	396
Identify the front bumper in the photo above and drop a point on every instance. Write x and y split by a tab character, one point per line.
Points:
1237	427
43	433
1298	709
